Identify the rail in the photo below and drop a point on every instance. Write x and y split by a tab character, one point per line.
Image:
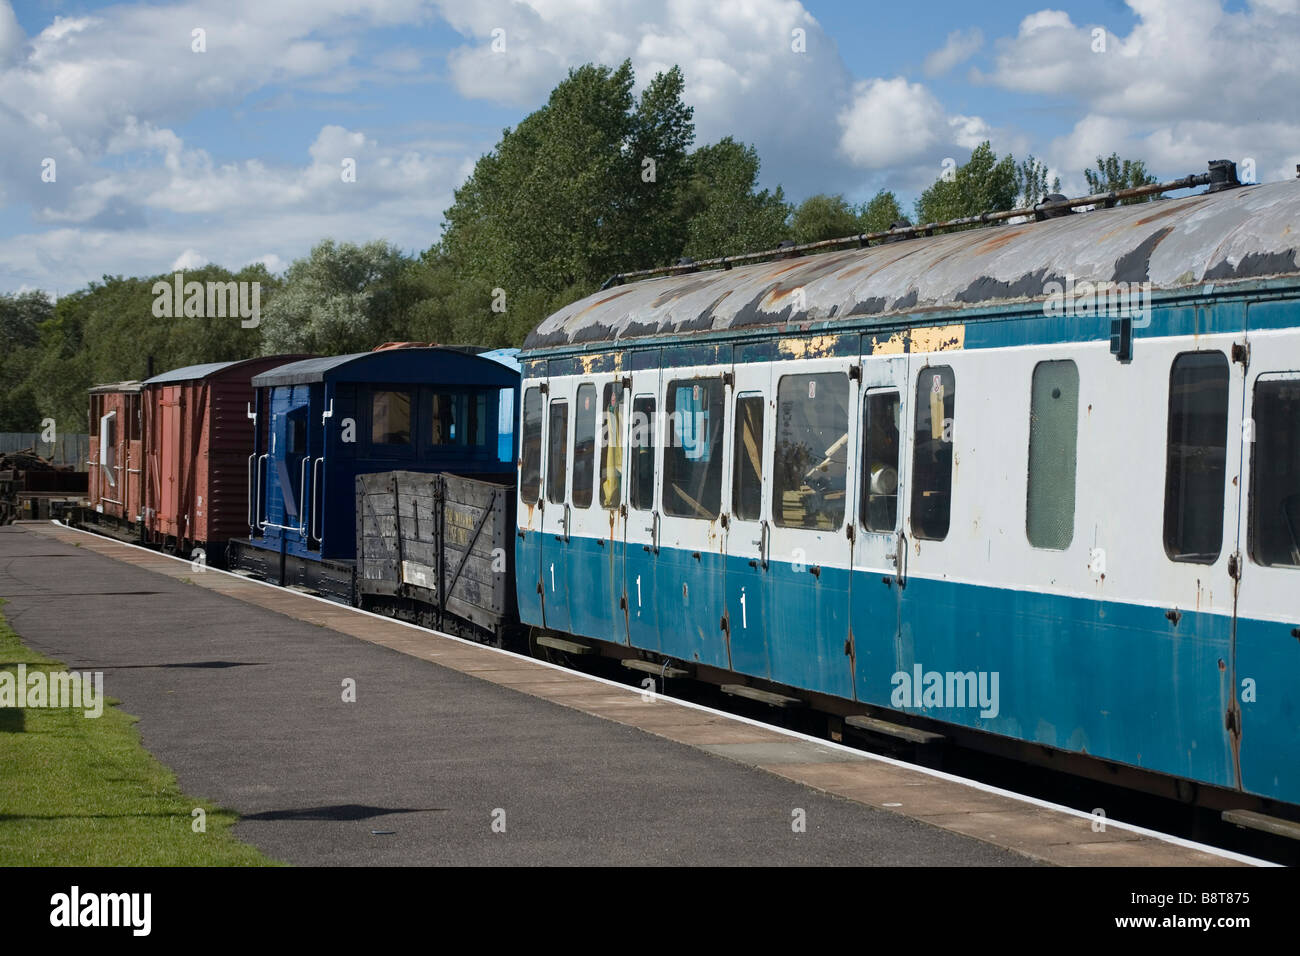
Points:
1222	175
315	499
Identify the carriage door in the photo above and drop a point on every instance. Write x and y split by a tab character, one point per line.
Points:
879	548
528	542
691	593
641	529
749	525
810	553
595	584
557	514
1267	612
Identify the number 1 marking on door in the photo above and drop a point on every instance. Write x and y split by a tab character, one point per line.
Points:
638	590
744	615
552	577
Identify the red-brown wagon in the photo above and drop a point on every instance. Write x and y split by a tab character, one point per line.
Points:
198	435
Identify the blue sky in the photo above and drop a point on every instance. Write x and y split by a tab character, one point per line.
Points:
166	157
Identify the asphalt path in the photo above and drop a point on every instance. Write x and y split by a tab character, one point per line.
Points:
427	766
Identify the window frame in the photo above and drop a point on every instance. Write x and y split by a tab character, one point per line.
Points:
590	455
411	417
525	484
715	445
1272	377
924	413
1029	458
1226	367
750	396
636	453
864	481
549	481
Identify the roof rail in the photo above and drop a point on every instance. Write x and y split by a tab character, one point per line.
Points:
1222	175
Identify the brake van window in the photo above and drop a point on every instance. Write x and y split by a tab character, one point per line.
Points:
1275	473
932	452
390	418
812	451
692	453
1196	463
530	453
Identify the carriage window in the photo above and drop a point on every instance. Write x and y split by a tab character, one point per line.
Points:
557	458
1196	462
505	423
295	432
390	418
812	451
880	448
611	443
693	449
1053	454
747	458
108	446
584	446
642	442
932	452
1275	473
530	452
459	419
447	411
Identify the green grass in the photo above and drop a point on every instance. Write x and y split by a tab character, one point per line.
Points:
78	791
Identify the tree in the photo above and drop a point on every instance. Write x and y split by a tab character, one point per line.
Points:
880	213
1031	182
341	298
823	217
1113	174
984	184
580	189
724	211
21	316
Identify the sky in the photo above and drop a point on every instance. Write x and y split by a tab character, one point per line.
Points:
137	138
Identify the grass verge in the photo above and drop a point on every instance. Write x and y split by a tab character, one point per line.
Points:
79	791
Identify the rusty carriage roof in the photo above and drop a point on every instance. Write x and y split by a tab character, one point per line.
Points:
1247	232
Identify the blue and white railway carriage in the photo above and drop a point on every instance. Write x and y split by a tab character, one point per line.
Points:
844	473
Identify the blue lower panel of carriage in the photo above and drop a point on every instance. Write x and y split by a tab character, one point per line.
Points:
1267	656
689	599
528	576
641	580
747	586
807	618
595	587
1116	681
555	583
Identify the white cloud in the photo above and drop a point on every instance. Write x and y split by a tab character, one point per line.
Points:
960	47
189	259
889	122
1188	83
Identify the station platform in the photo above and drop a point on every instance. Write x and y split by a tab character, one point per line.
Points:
238	687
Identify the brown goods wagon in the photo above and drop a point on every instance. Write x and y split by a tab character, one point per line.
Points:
199	436
115	485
